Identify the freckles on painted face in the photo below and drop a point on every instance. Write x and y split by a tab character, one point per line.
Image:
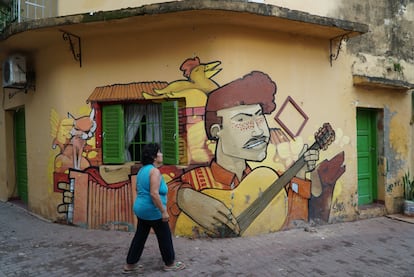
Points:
245	133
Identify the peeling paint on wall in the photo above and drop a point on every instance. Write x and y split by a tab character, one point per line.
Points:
397	141
395	160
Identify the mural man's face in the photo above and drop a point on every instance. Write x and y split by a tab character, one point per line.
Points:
244	132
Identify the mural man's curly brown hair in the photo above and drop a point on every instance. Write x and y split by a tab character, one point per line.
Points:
253	88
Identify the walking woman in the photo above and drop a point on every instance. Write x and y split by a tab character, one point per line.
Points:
151	211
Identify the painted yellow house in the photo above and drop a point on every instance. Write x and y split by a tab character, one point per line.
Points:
236	93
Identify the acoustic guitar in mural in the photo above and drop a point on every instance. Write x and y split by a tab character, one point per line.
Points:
268	211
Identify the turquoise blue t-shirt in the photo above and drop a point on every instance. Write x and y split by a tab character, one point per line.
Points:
143	206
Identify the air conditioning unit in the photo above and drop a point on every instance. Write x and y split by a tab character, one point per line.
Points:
14	72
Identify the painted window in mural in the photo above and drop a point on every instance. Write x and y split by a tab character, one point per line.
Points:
142	125
128	127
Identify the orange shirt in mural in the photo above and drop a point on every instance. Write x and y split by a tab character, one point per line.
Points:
216	177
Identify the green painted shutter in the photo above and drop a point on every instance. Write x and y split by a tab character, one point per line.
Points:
21	154
169	125
113	142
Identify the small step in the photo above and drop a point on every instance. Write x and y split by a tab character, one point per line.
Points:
371	210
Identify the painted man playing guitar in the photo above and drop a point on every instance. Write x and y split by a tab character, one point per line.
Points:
228	198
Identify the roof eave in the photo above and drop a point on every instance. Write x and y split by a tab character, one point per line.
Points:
338	26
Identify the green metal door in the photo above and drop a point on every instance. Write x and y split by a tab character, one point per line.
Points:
21	156
367	156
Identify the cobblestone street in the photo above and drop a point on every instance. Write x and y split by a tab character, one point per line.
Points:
31	246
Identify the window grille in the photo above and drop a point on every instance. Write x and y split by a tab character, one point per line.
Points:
16	11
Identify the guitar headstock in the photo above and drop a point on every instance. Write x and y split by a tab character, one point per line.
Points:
324	136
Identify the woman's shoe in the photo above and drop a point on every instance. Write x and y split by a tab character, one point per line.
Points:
129	268
175	266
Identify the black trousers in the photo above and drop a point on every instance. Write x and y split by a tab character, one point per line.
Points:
163	234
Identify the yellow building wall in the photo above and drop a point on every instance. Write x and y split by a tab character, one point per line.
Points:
3	170
299	66
157	56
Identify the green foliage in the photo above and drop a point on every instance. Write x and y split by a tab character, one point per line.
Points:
395	66
398	67
5	16
408	187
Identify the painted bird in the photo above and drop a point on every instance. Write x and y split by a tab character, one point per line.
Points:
198	77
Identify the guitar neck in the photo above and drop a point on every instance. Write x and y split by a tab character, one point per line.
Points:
258	205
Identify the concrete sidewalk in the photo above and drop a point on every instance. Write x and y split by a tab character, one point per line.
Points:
30	246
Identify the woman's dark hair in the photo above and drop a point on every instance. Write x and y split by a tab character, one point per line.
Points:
149	153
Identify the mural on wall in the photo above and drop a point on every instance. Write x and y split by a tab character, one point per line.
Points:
73	138
235	198
70	136
196	86
243	176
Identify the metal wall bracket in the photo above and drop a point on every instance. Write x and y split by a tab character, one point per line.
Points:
336	42
14	92
74	47
29	85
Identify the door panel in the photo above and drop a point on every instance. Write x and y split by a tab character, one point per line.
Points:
21	155
366	150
